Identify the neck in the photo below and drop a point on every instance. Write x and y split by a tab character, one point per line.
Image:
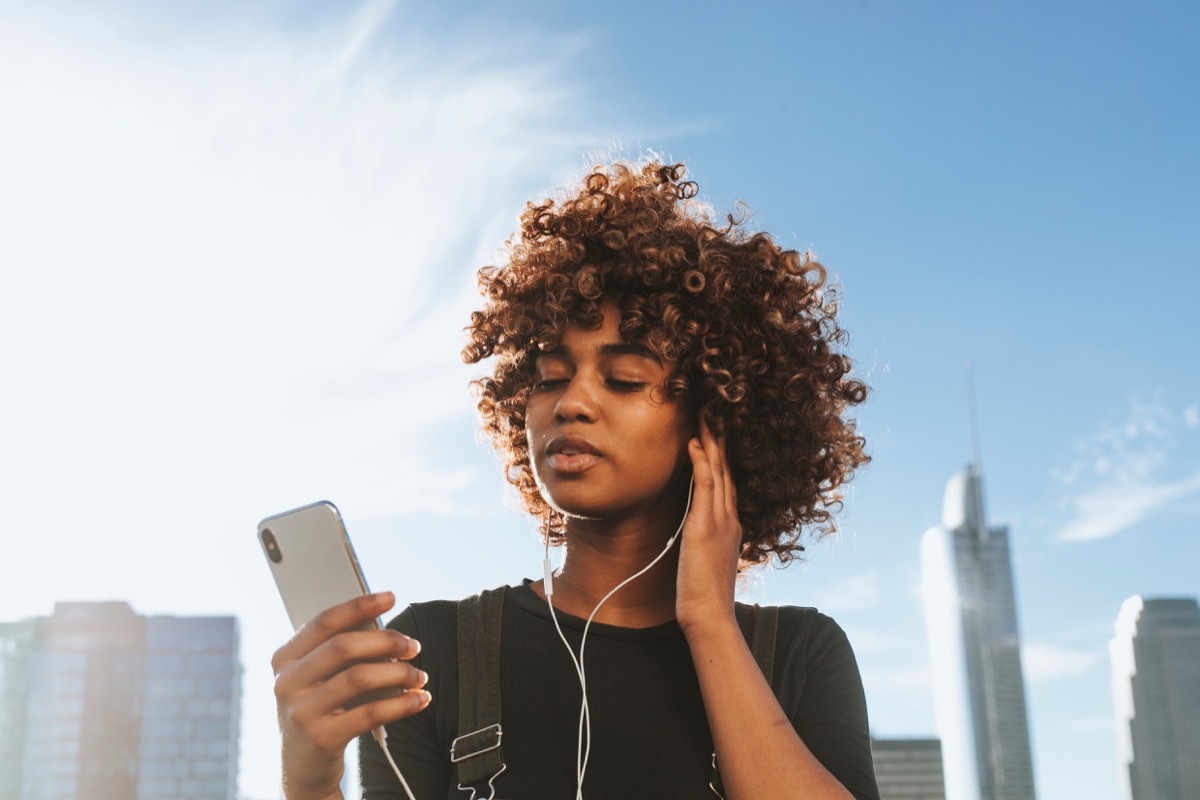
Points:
600	555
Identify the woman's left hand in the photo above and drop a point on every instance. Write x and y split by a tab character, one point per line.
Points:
711	539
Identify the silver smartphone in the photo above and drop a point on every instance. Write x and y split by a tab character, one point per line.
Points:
312	560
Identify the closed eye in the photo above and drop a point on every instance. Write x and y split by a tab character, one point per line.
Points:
549	384
626	386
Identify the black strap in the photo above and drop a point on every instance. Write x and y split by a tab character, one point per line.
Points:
758	624
476	752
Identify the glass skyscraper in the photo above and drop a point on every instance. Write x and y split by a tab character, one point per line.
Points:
908	769
103	704
1156	693
971	616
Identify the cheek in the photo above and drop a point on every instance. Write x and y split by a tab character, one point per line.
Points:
671	436
534	427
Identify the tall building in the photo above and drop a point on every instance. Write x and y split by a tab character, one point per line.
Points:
971	616
1156	692
17	641
104	704
908	769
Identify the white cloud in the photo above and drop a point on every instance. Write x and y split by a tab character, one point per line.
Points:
1191	416
1108	510
237	260
1122	473
1046	661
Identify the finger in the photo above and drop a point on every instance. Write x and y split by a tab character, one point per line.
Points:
361	684
345	650
330	622
716	459
730	486
703	480
336	732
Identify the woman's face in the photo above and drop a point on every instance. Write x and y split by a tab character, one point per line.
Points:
605	439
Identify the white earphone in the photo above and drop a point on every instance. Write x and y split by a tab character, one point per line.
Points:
584	745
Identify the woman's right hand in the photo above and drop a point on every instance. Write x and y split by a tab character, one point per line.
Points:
321	677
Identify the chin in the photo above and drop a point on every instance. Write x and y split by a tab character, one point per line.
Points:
577	507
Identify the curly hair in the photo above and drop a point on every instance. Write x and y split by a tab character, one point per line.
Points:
748	326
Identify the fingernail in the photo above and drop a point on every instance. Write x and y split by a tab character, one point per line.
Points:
424	677
384	597
416	646
424	696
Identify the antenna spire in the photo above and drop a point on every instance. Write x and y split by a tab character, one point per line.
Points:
973	420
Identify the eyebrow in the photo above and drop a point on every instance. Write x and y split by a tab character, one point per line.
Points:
611	349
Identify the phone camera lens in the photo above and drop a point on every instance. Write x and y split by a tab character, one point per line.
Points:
271	546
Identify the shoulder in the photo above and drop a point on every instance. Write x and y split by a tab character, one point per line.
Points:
808	627
426	617
812	651
800	627
436	621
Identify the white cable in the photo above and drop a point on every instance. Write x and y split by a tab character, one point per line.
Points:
584	713
380	735
582	751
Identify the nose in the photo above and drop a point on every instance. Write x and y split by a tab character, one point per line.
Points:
577	402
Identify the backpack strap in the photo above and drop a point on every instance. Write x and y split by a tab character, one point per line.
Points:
476	752
758	624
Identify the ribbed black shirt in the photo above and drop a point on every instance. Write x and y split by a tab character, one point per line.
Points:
650	736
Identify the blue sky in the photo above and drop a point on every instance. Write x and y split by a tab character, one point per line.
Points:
239	253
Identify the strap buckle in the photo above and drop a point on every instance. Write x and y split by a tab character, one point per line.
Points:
477	743
476	748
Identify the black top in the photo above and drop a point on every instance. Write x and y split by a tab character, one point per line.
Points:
650	736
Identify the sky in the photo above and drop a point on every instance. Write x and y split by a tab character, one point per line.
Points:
238	252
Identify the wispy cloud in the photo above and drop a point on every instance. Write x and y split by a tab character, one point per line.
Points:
1125	471
1047	661
206	239
238	256
1108	510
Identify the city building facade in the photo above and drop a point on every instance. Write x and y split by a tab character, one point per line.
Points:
908	769
1156	693
104	704
971	617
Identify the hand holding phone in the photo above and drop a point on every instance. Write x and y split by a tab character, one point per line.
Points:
341	674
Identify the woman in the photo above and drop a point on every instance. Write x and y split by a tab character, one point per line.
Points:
669	397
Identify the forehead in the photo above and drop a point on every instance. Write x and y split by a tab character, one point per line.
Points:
606	340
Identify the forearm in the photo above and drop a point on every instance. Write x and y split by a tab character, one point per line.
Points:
758	751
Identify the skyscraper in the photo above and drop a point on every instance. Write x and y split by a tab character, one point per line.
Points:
971	616
17	641
908	769
102	703
1156	693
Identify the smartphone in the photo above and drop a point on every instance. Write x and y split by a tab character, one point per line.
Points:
312	560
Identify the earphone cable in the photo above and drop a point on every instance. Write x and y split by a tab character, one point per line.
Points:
380	735
584	746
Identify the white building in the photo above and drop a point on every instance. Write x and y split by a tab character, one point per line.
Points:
1156	693
971	616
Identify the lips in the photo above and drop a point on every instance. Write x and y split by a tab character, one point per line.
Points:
570	453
